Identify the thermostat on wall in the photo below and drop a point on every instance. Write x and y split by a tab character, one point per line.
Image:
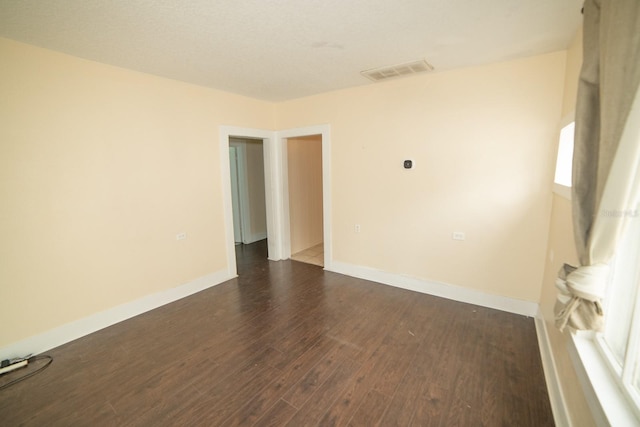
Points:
408	164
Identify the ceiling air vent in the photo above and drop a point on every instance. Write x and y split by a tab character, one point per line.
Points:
383	73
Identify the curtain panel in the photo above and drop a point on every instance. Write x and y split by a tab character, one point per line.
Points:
606	160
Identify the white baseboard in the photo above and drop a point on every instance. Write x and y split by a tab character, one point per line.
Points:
256	237
452	292
68	332
556	396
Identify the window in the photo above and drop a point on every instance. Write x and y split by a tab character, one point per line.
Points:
565	155
564	161
619	342
608	363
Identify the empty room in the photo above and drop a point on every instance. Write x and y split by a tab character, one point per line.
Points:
300	213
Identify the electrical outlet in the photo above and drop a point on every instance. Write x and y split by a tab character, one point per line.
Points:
181	236
357	228
458	235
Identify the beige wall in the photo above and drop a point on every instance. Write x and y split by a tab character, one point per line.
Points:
482	139
560	250
100	168
304	163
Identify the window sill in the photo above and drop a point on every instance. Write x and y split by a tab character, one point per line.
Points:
609	406
562	190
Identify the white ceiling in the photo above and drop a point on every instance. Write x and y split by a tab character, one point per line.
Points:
283	49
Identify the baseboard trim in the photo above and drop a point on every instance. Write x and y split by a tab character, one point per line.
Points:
443	290
256	238
71	331
556	396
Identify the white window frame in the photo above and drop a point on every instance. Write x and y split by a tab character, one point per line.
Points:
608	387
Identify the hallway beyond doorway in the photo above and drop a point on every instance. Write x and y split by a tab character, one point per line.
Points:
313	255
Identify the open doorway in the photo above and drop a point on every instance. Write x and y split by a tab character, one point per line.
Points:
247	179
305	193
274	145
246	166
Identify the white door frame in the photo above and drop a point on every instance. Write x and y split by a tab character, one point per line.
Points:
273	233
276	182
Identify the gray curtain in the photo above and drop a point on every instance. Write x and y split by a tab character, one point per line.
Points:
606	160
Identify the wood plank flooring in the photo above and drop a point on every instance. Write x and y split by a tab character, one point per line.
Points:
287	344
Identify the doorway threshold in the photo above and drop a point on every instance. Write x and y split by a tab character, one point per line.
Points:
313	255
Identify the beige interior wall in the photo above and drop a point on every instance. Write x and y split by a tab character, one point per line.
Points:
255	182
100	168
561	249
482	140
304	163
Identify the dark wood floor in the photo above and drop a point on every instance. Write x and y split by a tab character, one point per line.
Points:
289	344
